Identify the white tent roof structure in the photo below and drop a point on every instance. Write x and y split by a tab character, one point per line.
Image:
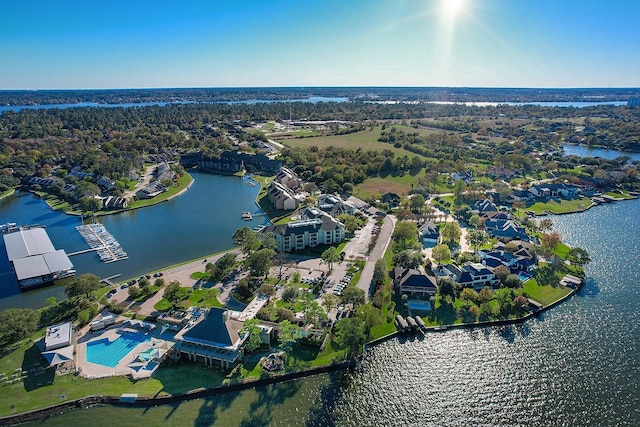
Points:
58	356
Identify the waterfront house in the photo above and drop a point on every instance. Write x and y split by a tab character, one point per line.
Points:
414	283
213	338
282	197
473	275
288	178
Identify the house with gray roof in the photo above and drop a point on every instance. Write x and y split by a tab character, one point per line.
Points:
213	338
413	282
317	228
282	197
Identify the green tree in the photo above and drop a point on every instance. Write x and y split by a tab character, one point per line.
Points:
458	193
330	256
259	262
469	295
17	323
446	287
330	301
578	256
174	293
290	294
226	261
247	239
350	222
417	202
513	281
288	334
405	234
451	233
476	238
134	292
501	272
353	295
83	286
350	333
380	275
407	258
485	295
369	315
254	341
266	289
441	252
476	222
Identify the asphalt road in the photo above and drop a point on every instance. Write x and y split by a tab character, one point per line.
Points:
384	238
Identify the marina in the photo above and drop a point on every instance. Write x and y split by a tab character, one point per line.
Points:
100	240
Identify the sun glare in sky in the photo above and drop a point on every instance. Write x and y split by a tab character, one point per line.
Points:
453	7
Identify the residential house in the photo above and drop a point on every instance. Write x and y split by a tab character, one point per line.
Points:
429	232
482	206
105	183
506	231
112	202
474	275
413	282
288	178
466	176
501	173
334	205
282	197
318	228
391	199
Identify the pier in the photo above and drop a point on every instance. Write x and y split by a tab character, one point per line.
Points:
101	241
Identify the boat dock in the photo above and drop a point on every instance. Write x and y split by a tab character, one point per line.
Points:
100	240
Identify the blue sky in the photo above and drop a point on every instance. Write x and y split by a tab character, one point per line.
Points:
210	43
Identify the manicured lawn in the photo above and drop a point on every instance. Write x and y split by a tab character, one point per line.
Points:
565	206
183	182
544	294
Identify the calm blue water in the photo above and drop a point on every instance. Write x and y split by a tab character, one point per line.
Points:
582	151
109	353
197	223
312	99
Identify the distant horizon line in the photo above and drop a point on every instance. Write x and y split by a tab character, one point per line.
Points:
322	87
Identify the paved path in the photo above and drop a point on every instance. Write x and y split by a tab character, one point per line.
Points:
384	237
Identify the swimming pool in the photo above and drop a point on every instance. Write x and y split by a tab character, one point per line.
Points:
109	353
524	276
415	304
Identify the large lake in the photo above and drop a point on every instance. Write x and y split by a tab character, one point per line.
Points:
197	223
576	364
584	151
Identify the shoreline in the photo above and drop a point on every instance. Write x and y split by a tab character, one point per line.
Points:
119	211
203	392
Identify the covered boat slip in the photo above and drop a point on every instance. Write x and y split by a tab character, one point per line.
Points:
34	259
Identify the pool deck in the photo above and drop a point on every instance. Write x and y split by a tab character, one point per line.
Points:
92	370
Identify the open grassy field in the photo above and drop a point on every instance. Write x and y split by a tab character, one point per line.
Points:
366	140
378	186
